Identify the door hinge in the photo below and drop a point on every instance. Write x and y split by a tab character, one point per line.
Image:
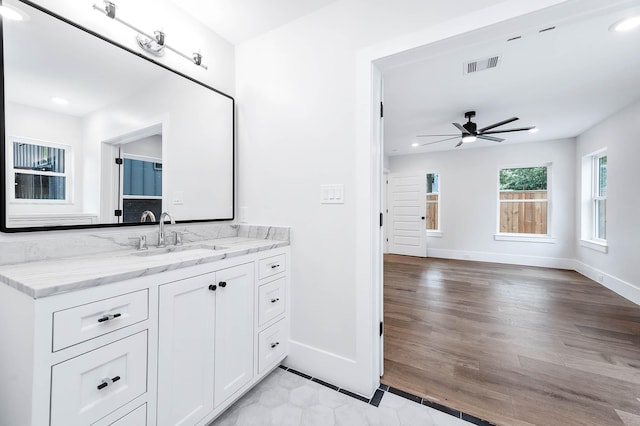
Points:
117	213
381	328
118	160
381	220
381	110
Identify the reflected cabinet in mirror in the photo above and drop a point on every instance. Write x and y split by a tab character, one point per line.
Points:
96	135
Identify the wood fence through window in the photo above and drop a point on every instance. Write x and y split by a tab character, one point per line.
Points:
520	214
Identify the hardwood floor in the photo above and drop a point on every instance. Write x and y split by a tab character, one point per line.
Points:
511	344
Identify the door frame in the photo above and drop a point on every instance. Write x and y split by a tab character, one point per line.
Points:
368	172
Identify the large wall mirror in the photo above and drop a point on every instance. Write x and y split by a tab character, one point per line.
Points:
95	134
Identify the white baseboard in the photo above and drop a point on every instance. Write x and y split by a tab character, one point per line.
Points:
623	288
326	366
512	259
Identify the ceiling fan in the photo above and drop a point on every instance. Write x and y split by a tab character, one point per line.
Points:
470	131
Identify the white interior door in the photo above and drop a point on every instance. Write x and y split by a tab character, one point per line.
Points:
407	214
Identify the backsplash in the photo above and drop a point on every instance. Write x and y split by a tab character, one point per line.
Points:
58	244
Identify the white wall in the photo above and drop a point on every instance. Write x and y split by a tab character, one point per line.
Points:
305	103
618	269
468	185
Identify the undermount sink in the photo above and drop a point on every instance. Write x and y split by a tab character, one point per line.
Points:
178	249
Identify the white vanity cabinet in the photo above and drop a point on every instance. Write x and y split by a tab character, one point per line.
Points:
171	348
205	351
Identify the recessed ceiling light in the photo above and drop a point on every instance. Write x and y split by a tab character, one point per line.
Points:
626	24
415	144
534	130
11	14
60	101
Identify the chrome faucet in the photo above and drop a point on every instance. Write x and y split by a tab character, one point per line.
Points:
147	214
161	234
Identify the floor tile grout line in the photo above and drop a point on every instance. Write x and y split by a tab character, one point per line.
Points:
409	396
439	407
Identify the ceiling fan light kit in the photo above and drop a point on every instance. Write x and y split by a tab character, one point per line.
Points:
469	131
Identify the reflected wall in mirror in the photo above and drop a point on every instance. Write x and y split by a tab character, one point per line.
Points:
95	134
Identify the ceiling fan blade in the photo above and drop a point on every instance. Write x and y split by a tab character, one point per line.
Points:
501	123
425	136
459	143
441	140
459	127
521	129
490	138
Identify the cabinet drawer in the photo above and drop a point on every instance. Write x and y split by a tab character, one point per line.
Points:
273	344
79	395
271	266
271	300
78	324
137	417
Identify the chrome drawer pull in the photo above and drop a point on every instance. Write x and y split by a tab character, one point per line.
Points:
275	300
106	382
108	317
273	345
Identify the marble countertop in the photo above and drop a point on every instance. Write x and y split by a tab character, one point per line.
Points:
50	277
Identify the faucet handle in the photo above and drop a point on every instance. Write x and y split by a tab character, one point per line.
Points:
179	237
142	242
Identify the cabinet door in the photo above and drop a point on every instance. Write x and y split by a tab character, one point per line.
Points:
186	350
234	330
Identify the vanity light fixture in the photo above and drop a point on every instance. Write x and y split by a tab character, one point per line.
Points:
153	44
11	14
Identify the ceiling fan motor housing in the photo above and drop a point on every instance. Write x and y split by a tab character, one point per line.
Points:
470	127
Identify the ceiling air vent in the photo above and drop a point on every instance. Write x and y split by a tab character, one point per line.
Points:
481	64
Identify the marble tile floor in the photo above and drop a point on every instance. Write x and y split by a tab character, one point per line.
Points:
284	398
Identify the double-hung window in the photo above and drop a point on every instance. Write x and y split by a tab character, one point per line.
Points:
39	171
599	197
523	202
433	202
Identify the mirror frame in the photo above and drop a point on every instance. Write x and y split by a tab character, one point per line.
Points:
3	159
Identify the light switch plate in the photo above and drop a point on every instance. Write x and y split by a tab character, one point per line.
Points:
178	198
332	194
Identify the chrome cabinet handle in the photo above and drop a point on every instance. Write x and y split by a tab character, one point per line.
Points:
273	345
106	382
108	317
275	300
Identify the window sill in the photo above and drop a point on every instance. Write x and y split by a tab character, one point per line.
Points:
524	238
437	234
595	245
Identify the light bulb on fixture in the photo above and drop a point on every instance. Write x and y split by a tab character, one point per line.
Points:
626	24
468	138
415	144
